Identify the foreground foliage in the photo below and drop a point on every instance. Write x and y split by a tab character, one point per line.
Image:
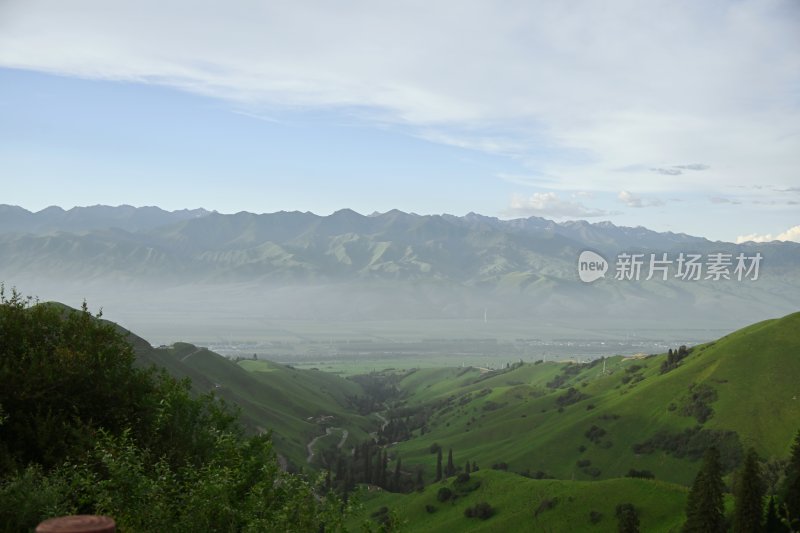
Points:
82	430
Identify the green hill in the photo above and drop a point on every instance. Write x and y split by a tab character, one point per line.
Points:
296	405
574	431
522	504
737	392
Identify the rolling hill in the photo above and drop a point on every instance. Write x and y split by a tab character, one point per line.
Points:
579	421
522	504
558	444
295	405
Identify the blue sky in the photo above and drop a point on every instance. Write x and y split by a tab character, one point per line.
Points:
678	116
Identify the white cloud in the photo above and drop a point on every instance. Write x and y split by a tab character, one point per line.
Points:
549	204
632	200
677	170
575	90
791	234
723	200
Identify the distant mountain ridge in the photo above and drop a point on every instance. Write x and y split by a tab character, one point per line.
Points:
96	217
133	219
389	265
207	246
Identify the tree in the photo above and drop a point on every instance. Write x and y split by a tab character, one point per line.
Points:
791	487
749	497
705	505
482	510
384	466
451	468
438	465
627	518
773	522
396	480
85	429
467	468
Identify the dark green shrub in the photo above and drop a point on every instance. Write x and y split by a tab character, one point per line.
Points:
592	471
545	505
627	518
643	474
480	510
595	433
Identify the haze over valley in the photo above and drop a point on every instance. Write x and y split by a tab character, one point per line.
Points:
299	287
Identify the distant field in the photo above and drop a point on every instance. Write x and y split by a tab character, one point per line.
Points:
364	366
356	347
413	330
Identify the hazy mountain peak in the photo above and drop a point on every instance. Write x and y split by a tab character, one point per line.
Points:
345	213
91	218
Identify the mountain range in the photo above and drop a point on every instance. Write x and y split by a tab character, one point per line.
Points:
385	265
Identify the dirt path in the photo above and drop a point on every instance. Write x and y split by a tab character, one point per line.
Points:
187	356
385	422
328	431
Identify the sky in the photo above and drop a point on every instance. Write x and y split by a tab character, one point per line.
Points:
674	115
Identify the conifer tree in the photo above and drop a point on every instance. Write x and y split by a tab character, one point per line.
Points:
773	522
705	505
384	466
627	518
749	497
438	465
451	468
791	487
367	465
396	480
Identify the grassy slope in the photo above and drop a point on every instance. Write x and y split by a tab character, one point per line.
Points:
273	397
512	416
515	499
753	371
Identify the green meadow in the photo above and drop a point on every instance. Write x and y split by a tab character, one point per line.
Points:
555	442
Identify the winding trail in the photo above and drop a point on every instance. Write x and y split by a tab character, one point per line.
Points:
328	431
383	419
187	356
374	434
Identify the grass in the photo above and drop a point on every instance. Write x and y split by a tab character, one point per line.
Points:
516	500
295	405
521	416
752	370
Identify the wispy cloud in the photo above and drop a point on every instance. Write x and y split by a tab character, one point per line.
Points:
574	91
632	200
791	234
549	204
677	170
723	200
671	171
